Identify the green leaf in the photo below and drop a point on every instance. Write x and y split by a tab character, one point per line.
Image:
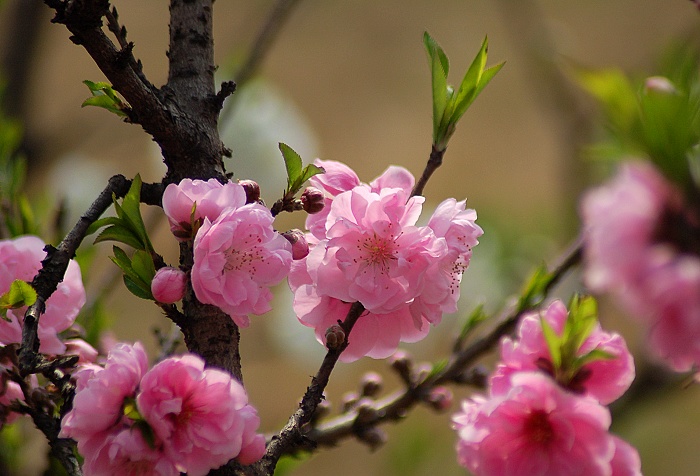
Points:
554	343
439	67
142	264
309	171
120	234
477	316
592	356
20	294
131	205
438	367
101	222
534	289
138	288
292	162
583	317
104	96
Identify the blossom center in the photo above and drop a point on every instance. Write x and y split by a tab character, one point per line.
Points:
378	251
537	428
244	258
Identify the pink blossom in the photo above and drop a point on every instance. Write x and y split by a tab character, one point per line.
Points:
211	198
535	429
10	392
169	285
456	224
86	353
237	257
626	460
99	399
638	249
374	335
126	452
373	254
20	258
605	379
339	178
202	416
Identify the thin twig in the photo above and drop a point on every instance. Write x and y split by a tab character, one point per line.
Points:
261	46
434	162
395	406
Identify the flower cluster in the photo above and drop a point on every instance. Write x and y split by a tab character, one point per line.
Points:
20	258
176	417
541	418
365	247
237	253
642	245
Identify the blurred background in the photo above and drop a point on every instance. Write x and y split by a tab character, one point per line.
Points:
349	81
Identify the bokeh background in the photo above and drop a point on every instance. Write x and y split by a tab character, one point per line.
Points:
348	80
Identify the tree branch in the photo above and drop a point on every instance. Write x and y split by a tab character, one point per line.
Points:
395	406
434	162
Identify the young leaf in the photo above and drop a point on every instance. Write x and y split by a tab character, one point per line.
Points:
477	316
138	288
19	295
101	222
554	343
309	171
104	96
142	264
120	234
292	162
131	205
439	67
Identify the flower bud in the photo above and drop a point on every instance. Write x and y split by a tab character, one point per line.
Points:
335	337
168	285
252	190
349	400
401	362
440	398
300	248
371	384
312	200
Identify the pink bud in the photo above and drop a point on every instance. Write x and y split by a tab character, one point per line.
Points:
312	200
300	248
440	398
168	285
252	190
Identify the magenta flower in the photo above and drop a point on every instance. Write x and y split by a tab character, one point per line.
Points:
535	429
127	453
211	198
626	460
641	245
169	285
237	257
202	416
98	406
605	379
20	258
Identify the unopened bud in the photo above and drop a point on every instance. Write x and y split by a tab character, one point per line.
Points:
371	384
300	248
169	285
349	400
401	362
335	337
312	200
440	398
365	411
252	190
